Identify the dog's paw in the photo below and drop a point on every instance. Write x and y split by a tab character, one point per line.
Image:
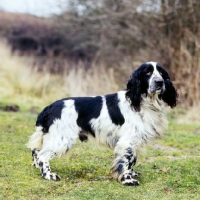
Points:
129	179
51	176
131	182
136	174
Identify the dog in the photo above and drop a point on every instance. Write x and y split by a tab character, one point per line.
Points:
124	121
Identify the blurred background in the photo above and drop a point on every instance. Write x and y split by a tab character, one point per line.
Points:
52	49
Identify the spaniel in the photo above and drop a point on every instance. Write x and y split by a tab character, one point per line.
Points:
124	121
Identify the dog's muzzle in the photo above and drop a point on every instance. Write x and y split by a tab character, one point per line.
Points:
157	85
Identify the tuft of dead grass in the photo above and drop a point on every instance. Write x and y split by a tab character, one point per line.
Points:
97	80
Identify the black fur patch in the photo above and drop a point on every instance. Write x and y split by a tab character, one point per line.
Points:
49	114
113	109
83	137
120	168
87	108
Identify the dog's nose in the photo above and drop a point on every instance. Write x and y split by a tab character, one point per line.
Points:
159	83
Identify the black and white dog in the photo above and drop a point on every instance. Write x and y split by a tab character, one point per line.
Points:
124	121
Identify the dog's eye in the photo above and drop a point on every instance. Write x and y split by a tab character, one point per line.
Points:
148	73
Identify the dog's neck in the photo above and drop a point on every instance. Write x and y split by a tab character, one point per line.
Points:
153	101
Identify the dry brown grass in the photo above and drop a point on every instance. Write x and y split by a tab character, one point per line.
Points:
21	84
95	81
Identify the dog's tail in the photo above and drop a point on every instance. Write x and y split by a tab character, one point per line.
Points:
36	140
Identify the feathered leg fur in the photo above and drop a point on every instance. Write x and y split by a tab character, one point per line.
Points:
123	164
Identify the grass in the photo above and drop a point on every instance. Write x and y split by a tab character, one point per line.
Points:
172	173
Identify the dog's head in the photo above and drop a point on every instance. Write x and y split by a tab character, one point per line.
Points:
151	79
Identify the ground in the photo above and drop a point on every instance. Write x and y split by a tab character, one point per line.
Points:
170	169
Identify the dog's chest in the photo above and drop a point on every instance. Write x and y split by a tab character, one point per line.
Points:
146	125
153	122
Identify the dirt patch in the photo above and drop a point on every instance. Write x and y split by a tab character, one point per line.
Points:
164	148
197	132
191	117
10	108
152	159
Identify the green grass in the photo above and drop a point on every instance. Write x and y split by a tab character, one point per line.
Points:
169	172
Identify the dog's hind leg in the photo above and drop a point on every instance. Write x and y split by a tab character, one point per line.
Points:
43	162
35	158
35	144
55	144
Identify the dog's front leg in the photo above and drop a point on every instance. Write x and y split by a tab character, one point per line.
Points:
123	164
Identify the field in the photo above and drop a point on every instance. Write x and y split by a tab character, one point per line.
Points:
170	168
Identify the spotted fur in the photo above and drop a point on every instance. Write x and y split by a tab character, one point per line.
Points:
124	121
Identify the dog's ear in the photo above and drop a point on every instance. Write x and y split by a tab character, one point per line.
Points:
134	90
170	94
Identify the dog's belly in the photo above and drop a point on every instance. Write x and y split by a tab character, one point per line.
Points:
106	137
